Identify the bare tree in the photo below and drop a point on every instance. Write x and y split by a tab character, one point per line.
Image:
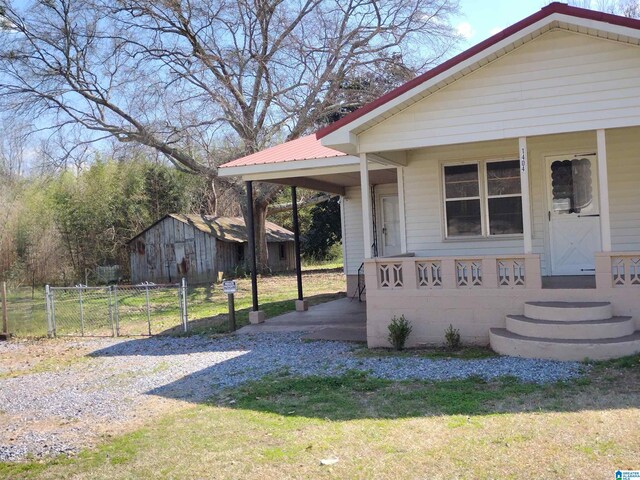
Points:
626	8
13	146
205	81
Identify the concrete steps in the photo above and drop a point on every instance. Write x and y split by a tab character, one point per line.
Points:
568	311
613	327
507	343
566	331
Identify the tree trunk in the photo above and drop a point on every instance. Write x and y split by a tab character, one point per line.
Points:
260	208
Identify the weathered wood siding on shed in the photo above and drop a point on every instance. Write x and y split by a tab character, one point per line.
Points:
560	81
171	250
230	257
281	256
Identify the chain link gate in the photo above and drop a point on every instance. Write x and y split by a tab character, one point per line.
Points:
118	310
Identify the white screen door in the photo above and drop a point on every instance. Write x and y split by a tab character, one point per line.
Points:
390	225
574	214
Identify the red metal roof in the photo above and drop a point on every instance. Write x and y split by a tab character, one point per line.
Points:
303	148
550	9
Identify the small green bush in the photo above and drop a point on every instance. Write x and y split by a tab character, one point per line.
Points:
452	338
399	330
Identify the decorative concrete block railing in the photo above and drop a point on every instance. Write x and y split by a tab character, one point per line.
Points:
625	271
390	275
512	272
618	269
429	273
455	272
469	273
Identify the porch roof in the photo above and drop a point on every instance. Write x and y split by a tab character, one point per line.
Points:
306	163
304	148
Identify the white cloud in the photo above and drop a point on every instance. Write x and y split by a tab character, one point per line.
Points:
495	30
465	30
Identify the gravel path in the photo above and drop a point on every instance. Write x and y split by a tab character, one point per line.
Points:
57	412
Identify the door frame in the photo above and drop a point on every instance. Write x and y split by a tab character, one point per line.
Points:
548	159
379	201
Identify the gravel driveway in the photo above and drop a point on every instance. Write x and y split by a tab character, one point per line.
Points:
121	382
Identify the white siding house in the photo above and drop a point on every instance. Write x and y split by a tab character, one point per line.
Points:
498	192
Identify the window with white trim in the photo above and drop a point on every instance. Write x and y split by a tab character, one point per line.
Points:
482	199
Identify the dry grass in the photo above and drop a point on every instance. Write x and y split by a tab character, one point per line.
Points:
33	356
282	427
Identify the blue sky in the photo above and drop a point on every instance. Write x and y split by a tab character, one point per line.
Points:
482	18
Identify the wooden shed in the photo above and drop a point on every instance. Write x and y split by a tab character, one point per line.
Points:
198	247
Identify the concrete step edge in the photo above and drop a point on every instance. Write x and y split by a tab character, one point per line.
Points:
604	321
503	332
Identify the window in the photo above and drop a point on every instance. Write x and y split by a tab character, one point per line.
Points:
462	200
483	198
283	251
571	185
504	198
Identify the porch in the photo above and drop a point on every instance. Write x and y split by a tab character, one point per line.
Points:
535	226
340	320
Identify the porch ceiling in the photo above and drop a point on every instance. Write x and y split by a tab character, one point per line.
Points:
337	182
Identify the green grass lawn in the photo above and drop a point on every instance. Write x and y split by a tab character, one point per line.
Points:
283	426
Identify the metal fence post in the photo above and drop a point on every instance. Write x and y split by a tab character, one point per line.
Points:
185	317
51	329
146	291
117	313
5	316
81	310
113	328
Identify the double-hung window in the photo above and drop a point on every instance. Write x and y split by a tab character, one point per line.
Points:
482	199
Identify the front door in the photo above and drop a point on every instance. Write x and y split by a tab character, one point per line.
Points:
574	214
390	225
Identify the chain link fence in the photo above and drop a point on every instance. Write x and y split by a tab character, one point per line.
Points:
25	311
118	310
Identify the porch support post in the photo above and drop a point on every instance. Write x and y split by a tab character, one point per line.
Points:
526	197
365	191
301	303
401	210
603	181
255	316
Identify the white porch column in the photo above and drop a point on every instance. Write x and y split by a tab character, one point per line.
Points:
401	210
365	192
603	181
526	197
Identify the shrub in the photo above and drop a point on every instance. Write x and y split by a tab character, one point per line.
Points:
452	338
399	330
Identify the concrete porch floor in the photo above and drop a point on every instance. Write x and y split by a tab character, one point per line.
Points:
343	320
